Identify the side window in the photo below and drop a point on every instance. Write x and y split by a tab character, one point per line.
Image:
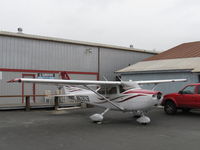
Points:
189	90
105	91
113	90
198	89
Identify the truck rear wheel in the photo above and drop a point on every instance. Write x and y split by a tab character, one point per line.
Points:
170	108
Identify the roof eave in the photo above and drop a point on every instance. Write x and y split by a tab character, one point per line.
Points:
37	37
155	71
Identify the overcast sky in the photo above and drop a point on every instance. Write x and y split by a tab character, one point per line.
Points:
147	24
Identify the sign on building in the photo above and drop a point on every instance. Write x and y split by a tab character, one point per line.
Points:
46	75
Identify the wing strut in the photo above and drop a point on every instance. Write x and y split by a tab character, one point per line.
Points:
114	104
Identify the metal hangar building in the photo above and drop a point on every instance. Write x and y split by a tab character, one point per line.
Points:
182	61
33	56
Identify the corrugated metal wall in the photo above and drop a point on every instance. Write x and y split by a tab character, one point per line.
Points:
32	54
15	89
9	89
46	55
113	60
165	87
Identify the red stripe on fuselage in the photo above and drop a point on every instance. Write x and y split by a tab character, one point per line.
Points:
113	99
140	92
75	90
131	98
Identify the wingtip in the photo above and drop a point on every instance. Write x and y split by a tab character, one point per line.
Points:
14	80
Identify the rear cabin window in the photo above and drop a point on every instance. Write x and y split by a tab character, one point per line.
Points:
112	90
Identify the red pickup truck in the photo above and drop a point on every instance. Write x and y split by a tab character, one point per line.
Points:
186	99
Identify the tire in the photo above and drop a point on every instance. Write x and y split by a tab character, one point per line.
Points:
170	108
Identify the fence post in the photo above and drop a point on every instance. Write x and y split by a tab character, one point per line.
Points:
56	102
28	106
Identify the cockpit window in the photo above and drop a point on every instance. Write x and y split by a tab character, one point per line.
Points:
121	89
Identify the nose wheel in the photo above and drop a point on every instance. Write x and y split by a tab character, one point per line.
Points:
98	118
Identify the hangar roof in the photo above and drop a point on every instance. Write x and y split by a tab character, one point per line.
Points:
37	37
164	65
185	50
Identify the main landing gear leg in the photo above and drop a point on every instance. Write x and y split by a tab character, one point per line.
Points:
98	118
143	119
137	114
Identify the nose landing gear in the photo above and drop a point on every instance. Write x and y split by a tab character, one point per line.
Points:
98	118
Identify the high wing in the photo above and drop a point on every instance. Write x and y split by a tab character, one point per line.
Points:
136	84
160	81
92	82
66	82
87	83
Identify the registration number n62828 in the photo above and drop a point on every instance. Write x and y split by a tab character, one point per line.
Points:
83	98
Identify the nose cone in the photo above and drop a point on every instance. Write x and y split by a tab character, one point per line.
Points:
158	98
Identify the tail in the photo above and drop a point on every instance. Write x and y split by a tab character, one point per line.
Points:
64	75
71	90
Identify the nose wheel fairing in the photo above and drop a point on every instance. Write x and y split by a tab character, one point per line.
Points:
143	120
98	117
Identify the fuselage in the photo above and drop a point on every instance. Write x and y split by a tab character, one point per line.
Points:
130	100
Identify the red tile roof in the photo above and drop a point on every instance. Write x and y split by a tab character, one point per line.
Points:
185	50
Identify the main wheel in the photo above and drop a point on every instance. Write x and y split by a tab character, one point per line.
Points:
170	108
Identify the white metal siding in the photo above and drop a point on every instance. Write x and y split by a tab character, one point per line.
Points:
32	54
16	88
45	55
112	60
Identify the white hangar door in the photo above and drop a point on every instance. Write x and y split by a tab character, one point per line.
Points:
28	89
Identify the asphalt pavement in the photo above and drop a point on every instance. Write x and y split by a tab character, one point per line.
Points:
73	130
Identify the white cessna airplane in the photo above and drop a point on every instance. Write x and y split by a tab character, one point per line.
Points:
125	96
